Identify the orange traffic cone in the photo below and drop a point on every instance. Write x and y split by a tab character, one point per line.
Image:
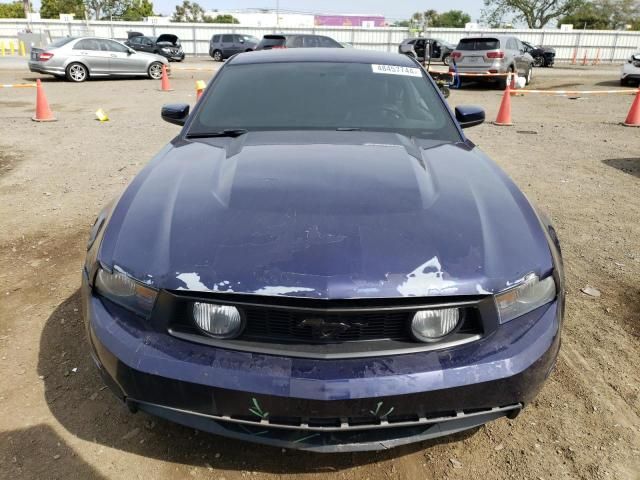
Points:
164	82
633	118
200	86
504	114
43	112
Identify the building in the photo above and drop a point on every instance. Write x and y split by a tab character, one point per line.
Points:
350	20
268	18
288	19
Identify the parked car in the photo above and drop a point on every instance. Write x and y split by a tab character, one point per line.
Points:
222	46
331	272
419	47
167	45
495	54
80	58
297	41
630	71
542	56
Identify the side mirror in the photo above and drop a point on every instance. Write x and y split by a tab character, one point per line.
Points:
175	113
469	115
241	40
131	51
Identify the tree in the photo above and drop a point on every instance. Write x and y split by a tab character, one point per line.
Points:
605	15
53	8
452	19
535	13
225	19
137	10
190	12
12	10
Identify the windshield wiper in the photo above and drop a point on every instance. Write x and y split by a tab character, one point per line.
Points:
227	132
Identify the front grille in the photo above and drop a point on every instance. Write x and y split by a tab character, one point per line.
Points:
265	323
311	328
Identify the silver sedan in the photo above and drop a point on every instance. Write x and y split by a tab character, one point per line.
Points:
79	58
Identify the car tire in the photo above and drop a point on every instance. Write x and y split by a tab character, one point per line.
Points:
217	56
446	59
76	72
155	71
624	82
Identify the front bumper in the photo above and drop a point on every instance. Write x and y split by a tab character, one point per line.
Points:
323	405
176	57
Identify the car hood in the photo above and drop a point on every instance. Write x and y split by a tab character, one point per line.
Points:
168	38
326	215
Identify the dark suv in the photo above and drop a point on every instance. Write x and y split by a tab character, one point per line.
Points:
418	46
297	41
167	45
226	45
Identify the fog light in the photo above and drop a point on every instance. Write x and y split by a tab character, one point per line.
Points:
221	321
432	325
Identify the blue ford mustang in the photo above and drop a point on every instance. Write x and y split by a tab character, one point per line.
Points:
321	260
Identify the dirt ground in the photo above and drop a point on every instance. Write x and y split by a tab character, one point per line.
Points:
571	157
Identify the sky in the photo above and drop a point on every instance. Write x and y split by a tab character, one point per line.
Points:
398	10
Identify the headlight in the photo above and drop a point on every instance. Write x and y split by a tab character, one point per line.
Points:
166	49
221	321
125	291
432	325
526	296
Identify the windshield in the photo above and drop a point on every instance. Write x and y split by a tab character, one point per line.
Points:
249	38
322	96
478	44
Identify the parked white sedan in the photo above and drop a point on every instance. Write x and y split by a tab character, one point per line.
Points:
79	58
630	72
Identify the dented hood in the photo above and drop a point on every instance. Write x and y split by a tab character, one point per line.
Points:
334	215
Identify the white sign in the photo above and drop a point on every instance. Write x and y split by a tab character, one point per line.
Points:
396	70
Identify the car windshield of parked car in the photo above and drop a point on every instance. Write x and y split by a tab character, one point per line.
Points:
325	96
478	44
249	38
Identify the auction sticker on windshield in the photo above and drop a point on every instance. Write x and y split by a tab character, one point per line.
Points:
396	70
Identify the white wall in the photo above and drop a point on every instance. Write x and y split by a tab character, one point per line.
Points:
614	46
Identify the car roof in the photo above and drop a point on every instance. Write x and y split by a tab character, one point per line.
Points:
340	55
498	37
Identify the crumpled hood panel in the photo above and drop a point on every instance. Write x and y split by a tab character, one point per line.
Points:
333	220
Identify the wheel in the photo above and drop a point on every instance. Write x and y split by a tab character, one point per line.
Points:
155	71
538	62
446	59
529	75
217	55
77	72
624	82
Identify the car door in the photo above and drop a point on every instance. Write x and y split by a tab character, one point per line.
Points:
121	61
521	57
91	54
147	45
436	50
227	45
420	48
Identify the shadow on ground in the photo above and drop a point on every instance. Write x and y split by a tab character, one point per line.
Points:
626	165
78	400
39	452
